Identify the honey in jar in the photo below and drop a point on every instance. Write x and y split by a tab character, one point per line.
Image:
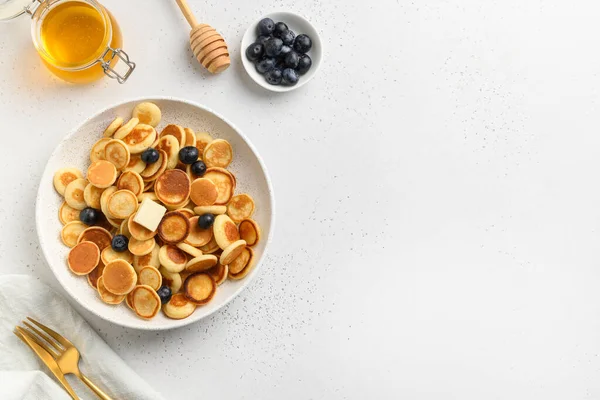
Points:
78	40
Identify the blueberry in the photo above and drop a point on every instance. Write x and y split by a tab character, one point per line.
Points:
274	76
205	221
291	59
265	26
164	292
262	39
304	64
290	77
150	156
288	37
265	65
273	47
198	168
284	50
89	216
188	155
280	27
302	44
119	243
254	51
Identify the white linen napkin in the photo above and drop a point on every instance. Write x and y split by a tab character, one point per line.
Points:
24	376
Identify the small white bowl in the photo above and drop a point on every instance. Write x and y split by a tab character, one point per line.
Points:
73	151
299	25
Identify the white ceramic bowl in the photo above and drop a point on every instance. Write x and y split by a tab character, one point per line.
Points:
299	25
252	178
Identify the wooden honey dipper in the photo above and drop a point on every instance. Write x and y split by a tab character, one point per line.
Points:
207	44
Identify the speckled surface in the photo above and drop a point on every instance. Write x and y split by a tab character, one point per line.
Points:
437	206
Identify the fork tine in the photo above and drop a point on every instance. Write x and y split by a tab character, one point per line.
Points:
47	338
34	338
59	338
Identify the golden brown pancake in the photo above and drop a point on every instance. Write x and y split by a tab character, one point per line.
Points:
198	236
137	231
140	138
191	250
203	192
102	174
83	258
170	145
202	140
175	131
179	307
201	263
132	181
225	183
242	264
219	273
119	277
149	259
249	231
135	164
200	288
122	204
92	196
218	153
63	177
173	187
67	214
225	231
97	151
148	113
116	152
150	276
141	247
145	301
107	296
171	279
172	258
216	210
190	137
74	194
232	251
240	207
96	273
97	235
113	127
152	171
126	129
109	255
174	227
211	246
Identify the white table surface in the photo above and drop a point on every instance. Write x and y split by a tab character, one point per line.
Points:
438	199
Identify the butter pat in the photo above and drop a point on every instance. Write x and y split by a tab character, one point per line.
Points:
149	214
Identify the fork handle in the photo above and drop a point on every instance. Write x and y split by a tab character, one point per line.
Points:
94	388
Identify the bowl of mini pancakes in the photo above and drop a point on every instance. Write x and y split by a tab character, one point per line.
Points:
155	213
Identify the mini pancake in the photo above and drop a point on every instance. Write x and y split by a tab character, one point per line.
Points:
104	200
108	255
140	138
198	236
174	227
249	231
218	153
202	140
135	164
129	300
102	174
225	231
224	182
201	263
145	301
119	277
63	177
219	273
141	247
203	192
150	276
232	252
113	127
151	259
172	258
116	152
242	265
107	296
173	187
126	129
132	181
67	214
83	258
179	307
97	235
96	273
176	131
190	137
97	151
199	288
216	210
240	207
187	212
170	145
175	207
171	279
74	194
122	204
137	231
210	247
91	196
191	250
71	232
148	113
152	171
124	229
147	195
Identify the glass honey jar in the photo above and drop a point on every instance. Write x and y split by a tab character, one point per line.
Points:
78	40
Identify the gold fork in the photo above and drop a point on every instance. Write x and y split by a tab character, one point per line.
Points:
64	352
46	359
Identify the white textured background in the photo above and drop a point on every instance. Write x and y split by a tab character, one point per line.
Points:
438	199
